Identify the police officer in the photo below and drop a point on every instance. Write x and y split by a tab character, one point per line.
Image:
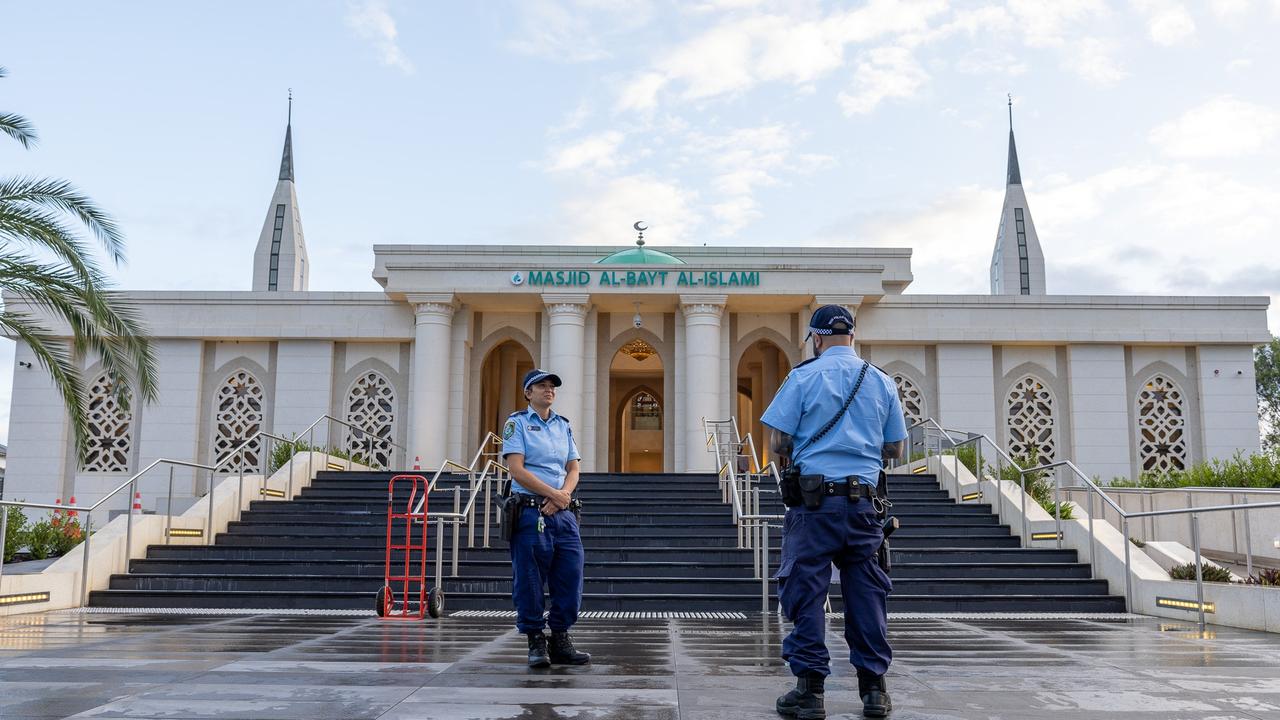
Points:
844	529
538	447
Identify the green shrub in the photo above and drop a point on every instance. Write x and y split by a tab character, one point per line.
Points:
1239	471
1210	573
1270	578
1137	542
1039	484
15	533
40	540
282	451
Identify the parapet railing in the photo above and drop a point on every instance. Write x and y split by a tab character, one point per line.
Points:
263	437
481	483
744	495
1092	490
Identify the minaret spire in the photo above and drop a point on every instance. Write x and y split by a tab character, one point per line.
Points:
286	160
1014	175
280	260
1017	264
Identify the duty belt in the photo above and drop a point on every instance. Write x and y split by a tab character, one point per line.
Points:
538	501
852	488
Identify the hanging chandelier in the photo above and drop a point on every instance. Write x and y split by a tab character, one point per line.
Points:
639	350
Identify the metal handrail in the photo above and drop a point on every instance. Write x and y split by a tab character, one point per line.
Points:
753	526
131	484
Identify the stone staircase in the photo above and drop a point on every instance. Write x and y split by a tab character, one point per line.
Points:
653	543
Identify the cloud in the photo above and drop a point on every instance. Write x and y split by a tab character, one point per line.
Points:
882	73
1222	127
604	215
1091	59
577	31
593	153
1168	22
371	21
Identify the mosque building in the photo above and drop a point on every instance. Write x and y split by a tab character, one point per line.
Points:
650	343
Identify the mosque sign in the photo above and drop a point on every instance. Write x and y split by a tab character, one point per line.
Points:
637	278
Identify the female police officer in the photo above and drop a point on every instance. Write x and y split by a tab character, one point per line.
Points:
538	447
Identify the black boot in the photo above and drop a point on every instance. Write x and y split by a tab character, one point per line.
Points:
563	652
805	702
538	650
875	695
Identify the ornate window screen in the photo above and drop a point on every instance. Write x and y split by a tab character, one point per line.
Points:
1030	414
238	416
1162	423
646	412
370	406
110	440
913	407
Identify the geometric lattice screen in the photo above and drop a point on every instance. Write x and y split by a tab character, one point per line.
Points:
1030	416
371	403
238	416
110	441
1162	424
912	400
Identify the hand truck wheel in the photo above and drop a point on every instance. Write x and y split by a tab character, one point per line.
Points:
435	602
383	603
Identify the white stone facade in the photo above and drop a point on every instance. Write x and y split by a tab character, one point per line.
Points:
719	349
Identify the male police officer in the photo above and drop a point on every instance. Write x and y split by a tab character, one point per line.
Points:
546	545
838	523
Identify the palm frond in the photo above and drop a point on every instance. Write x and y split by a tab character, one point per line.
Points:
24	224
62	196
53	356
19	128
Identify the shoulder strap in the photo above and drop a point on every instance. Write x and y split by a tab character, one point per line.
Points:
836	418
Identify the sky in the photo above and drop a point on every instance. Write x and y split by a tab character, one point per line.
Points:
1148	131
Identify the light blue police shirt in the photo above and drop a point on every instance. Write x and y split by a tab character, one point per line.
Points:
814	392
547	446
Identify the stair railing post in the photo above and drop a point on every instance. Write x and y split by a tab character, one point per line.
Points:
288	490
1248	540
1093	548
471	512
1128	566
168	520
457	509
440	551
1057	504
311	450
84	565
1022	483
1195	540
128	523
764	574
209	528
4	533
485	490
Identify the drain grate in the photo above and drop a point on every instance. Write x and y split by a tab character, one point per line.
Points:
613	615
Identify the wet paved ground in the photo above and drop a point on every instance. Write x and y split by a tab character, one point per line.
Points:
273	666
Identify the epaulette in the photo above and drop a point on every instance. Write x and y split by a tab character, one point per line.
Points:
802	363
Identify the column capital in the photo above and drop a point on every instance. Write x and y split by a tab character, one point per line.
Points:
432	303
574	305
703	305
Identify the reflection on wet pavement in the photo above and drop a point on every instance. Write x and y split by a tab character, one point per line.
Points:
313	666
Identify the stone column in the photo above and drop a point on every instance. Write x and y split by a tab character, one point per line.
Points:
703	362
565	350
507	382
429	384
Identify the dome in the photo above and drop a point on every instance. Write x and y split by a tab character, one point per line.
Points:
640	255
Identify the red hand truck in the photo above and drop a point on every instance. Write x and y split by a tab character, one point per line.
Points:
413	591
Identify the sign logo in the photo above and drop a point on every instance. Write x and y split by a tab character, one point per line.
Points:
517	278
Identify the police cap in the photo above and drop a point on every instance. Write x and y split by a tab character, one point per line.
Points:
830	320
537	376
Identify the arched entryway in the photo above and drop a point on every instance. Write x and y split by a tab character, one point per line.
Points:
500	391
636	402
760	373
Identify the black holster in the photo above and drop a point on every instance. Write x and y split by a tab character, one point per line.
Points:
888	523
800	489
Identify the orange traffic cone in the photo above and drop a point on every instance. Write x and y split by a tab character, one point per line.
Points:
417	463
137	503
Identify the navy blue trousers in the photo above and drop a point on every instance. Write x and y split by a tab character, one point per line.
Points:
847	533
552	558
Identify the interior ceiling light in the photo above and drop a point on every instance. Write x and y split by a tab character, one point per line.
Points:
639	350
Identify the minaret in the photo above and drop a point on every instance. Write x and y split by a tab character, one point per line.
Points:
280	260
1017	265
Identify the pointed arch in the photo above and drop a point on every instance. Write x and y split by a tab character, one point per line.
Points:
911	397
370	405
110	443
1162	425
1031	419
239	403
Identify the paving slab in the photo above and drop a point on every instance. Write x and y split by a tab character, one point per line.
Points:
270	666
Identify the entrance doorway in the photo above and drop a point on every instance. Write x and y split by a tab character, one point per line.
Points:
500	391
761	371
636	422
